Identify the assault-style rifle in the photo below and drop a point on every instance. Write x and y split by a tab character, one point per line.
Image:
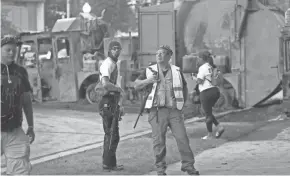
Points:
146	92
116	115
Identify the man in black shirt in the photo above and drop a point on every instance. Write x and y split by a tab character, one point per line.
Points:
15	95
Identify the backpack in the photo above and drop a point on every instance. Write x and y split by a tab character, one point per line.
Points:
195	95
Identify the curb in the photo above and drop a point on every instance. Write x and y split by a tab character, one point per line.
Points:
129	136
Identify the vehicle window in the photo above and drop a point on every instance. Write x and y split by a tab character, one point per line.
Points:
28	55
45	48
63	48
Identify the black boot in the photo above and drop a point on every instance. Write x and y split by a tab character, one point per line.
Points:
190	171
115	168
161	173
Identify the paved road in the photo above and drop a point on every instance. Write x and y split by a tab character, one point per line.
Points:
266	151
58	132
136	154
61	130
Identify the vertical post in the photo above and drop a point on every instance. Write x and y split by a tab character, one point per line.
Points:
68	3
235	20
38	95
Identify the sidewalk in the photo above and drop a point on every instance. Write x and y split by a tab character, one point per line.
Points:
270	157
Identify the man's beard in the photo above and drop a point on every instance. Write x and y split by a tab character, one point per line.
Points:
115	58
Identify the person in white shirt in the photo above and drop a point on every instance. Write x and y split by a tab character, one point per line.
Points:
108	105
209	94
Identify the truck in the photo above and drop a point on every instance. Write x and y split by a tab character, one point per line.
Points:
243	34
63	63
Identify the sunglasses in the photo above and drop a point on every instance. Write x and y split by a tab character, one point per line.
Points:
117	48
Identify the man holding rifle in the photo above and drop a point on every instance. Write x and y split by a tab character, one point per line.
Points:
110	106
167	95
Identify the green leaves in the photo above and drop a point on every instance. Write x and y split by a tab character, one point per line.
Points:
6	26
118	13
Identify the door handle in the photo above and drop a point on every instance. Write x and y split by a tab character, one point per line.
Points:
274	66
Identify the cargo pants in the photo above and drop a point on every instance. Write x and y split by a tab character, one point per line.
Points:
173	119
111	130
16	148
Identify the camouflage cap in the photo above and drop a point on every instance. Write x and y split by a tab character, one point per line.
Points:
10	39
167	48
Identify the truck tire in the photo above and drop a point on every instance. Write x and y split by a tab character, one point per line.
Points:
91	95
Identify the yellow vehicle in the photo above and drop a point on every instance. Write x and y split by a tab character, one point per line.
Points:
63	63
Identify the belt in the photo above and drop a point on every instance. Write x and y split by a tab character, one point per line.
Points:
162	107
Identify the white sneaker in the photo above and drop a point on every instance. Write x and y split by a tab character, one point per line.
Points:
220	131
207	137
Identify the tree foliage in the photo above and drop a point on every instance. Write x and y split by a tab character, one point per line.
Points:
122	18
6	26
54	9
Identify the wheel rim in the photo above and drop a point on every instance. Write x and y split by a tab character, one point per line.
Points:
92	96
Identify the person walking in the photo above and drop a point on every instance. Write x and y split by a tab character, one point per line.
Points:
15	96
168	93
110	106
209	94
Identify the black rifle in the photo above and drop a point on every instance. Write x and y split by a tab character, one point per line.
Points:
117	113
146	92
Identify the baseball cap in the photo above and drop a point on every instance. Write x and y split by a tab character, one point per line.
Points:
10	39
114	44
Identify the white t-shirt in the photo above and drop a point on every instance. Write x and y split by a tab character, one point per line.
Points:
107	68
205	71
